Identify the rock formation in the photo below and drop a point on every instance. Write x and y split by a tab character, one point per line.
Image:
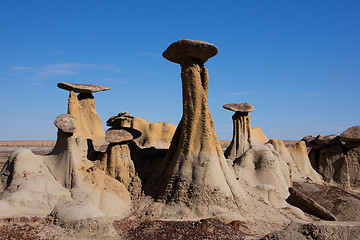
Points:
117	161
337	158
63	183
307	204
82	107
241	129
157	134
195	180
257	134
131	171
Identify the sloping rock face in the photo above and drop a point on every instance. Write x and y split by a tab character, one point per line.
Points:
337	158
88	122
257	134
261	166
157	134
275	165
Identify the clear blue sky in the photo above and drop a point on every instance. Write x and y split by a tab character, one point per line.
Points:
297	62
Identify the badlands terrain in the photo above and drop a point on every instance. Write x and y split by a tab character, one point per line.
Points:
154	180
344	204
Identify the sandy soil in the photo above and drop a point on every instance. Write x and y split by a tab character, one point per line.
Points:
128	228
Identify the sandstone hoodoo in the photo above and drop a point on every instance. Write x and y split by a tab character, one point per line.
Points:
82	107
117	161
241	129
194	179
136	175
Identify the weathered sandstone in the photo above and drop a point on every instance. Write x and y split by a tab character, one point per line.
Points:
241	129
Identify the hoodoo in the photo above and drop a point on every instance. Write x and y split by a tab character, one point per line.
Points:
117	160
82	107
241	129
194	179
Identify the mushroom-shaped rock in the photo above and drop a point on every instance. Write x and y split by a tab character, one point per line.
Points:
66	123
82	107
239	107
241	129
121	135
351	135
117	160
82	88
184	49
194	177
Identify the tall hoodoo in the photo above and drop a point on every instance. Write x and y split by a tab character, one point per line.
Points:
195	175
82	107
241	129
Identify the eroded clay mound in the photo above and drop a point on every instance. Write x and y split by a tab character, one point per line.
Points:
64	184
257	133
157	134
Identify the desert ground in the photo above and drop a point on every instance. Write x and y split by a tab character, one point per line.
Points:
344	204
129	228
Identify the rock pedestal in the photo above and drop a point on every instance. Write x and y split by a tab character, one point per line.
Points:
82	107
195	179
117	160
241	129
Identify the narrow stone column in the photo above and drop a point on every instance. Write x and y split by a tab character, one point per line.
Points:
117	160
62	166
241	129
195	175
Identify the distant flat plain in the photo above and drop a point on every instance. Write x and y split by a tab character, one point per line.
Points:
37	147
44	147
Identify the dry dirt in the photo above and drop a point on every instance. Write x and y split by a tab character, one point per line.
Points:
130	229
136	228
